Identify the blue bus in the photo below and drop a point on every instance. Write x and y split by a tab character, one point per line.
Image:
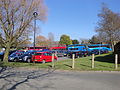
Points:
84	50
78	49
99	48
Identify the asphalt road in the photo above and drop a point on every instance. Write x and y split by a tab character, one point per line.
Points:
32	79
63	58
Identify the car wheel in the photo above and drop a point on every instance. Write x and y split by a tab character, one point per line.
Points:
28	60
55	60
43	61
15	60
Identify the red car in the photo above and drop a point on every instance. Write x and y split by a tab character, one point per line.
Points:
43	57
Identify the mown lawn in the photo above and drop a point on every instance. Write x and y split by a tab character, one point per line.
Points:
103	62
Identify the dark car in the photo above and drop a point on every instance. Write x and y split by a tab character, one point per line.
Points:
15	56
27	56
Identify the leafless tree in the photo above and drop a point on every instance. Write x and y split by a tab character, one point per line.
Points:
109	25
51	39
41	41
16	18
84	41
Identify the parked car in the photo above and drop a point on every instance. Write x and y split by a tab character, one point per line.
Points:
59	53
43	57
27	56
15	56
2	54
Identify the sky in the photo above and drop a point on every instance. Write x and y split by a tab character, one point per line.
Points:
75	18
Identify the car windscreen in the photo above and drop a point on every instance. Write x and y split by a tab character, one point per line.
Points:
13	54
37	54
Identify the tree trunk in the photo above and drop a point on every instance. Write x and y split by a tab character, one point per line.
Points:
5	59
112	47
112	43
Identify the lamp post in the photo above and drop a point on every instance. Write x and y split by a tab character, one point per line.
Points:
99	48
100	45
35	15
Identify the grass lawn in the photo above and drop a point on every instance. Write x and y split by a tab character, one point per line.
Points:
103	62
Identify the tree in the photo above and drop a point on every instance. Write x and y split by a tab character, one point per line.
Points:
51	39
50	36
103	38
16	18
94	40
65	40
109	25
84	41
41	41
26	43
75	41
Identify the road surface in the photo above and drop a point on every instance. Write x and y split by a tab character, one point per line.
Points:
35	79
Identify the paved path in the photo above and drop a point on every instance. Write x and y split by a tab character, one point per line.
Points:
63	58
26	79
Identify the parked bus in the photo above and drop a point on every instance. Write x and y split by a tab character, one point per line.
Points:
79	50
58	48
37	48
99	48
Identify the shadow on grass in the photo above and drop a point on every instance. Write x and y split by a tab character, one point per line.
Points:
68	65
108	58
49	66
85	65
106	66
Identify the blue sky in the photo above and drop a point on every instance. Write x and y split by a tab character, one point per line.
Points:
76	18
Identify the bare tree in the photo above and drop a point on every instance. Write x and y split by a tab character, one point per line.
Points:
84	41
16	18
51	39
94	40
41	41
50	36
109	25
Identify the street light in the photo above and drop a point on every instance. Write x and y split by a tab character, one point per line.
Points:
35	15
100	45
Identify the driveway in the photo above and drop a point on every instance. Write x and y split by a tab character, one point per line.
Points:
35	79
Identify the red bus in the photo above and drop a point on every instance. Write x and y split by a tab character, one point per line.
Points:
58	48
37	48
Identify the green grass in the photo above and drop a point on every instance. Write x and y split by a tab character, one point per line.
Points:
103	62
